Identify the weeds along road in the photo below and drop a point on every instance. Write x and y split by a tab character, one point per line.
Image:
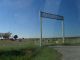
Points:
69	52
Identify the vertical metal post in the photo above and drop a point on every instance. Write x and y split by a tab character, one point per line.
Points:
63	30
41	31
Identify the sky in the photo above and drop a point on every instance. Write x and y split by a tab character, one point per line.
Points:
21	17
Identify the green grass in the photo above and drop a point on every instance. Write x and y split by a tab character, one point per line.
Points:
23	54
48	54
26	50
30	50
44	53
7	45
36	53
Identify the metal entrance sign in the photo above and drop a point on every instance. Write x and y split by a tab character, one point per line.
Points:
51	16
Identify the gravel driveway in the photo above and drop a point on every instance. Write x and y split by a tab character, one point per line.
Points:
69	52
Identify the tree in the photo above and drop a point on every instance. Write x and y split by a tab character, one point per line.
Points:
15	37
7	35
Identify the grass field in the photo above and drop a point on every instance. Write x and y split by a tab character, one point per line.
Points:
59	41
48	54
26	50
29	49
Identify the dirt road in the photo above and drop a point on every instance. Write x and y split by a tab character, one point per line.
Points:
69	52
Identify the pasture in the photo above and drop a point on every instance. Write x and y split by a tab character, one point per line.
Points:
57	41
29	49
26	50
34	42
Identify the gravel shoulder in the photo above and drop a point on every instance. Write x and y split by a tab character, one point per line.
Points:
69	52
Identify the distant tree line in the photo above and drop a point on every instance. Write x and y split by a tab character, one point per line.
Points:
7	35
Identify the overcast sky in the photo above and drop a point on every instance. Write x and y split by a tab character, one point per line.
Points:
22	17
